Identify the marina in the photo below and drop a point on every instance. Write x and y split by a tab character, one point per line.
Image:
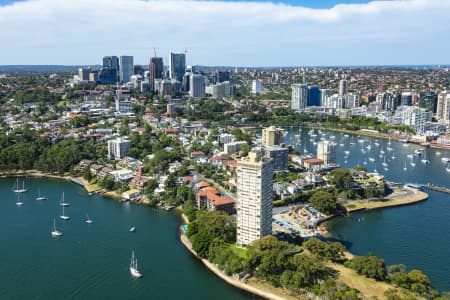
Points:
402	235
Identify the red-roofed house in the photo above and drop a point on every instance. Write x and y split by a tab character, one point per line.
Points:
313	163
210	199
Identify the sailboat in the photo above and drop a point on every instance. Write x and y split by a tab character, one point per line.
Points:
39	197
404	168
18	202
17	188
384	163
55	232
62	203
393	155
134	267
425	160
63	216
88	220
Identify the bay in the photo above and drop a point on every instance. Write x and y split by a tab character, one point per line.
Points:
417	235
91	261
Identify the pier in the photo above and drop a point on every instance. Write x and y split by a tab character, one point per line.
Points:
437	188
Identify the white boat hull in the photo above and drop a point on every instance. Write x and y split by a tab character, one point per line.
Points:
135	272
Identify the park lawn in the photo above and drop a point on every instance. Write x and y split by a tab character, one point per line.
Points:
367	286
266	287
241	252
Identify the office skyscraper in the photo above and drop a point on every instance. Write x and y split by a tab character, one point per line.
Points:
314	96
406	99
109	73
156	71
254	198
177	66
428	100
126	68
222	76
299	98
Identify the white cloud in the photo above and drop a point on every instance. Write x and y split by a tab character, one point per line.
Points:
225	33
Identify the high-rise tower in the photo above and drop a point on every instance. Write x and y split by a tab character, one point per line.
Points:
254	198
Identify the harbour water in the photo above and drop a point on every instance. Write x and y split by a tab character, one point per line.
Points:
91	261
418	235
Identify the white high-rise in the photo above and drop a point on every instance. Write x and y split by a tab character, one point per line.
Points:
254	198
197	86
256	87
299	98
126	68
443	107
326	151
118	148
272	136
343	87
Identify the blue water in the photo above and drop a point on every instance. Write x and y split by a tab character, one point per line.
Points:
90	261
416	235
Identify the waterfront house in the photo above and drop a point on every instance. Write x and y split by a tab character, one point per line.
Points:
210	199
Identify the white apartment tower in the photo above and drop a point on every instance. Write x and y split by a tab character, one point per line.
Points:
118	148
299	98
326	151
197	86
254	198
443	107
272	136
256	87
343	87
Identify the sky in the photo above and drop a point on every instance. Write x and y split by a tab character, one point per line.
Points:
227	32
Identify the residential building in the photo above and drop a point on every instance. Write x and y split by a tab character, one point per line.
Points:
83	73
443	107
326	151
256	87
126	68
279	156
210	199
299	97
343	87
413	116
197	86
118	148
272	136
254	198
233	147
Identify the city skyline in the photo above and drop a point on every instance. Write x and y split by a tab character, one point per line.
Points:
226	33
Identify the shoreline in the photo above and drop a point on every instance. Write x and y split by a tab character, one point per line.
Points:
367	205
231	280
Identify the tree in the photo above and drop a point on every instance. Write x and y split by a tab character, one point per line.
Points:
341	178
370	266
324	202
209	226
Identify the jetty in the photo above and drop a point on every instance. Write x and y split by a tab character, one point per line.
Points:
437	188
